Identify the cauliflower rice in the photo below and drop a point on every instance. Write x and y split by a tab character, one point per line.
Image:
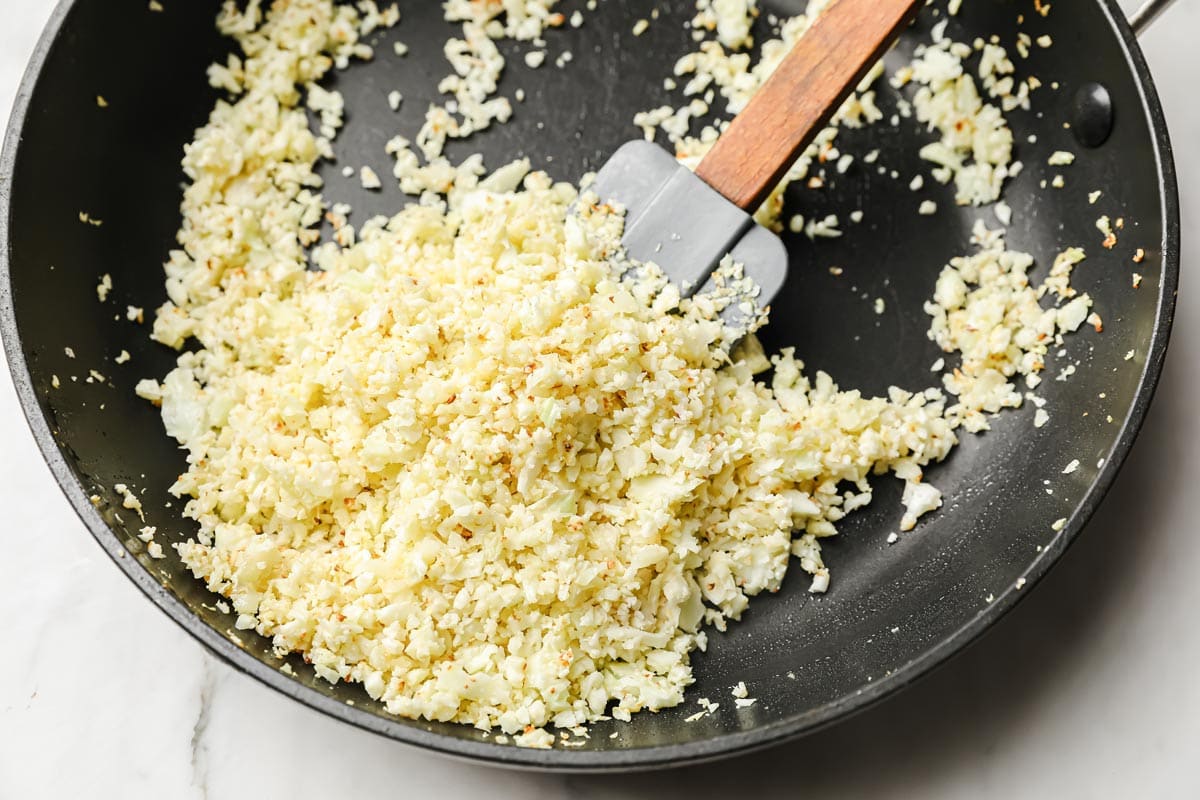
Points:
468	465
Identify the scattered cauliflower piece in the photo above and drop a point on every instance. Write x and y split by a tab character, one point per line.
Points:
985	308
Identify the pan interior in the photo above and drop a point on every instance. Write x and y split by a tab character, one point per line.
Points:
804	658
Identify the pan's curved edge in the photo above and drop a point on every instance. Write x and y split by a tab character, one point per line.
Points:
612	760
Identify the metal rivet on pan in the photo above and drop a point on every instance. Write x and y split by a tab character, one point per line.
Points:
1092	114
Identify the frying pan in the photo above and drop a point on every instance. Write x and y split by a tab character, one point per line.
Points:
893	612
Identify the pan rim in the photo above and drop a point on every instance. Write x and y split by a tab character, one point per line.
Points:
672	755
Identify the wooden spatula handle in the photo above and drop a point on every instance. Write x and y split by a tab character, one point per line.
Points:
798	100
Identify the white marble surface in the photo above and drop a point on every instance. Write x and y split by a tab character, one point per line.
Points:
1087	690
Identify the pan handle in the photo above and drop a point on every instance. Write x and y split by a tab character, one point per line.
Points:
1141	19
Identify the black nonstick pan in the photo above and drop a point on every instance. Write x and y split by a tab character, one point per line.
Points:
893	611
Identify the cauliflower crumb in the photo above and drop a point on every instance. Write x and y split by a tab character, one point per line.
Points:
1003	213
919	499
538	738
129	500
149	390
826	228
369	179
1104	225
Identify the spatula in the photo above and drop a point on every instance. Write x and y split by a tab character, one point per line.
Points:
687	222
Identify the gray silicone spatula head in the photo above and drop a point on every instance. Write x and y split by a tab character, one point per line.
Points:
684	226
686	222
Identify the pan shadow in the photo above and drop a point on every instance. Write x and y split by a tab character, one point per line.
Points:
992	692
